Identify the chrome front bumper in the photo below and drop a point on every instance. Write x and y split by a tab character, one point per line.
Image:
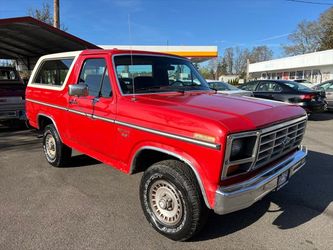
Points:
242	195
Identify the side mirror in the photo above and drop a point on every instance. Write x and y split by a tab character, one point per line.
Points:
78	90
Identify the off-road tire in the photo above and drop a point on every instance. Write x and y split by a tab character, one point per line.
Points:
179	178
61	154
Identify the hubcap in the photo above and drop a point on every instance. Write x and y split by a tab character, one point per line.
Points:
165	202
50	146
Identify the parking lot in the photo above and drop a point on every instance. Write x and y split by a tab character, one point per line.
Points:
92	206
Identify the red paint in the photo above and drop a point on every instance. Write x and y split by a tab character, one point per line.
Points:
176	113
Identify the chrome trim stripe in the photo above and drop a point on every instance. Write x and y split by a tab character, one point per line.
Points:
79	112
103	118
178	137
153	131
47	104
180	158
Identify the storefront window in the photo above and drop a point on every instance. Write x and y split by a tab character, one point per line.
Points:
307	75
299	75
292	75
285	75
279	75
316	76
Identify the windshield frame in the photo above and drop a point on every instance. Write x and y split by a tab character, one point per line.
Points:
201	78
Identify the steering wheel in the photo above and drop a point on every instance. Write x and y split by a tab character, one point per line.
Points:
177	83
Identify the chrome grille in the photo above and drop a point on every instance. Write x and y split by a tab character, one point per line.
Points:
275	144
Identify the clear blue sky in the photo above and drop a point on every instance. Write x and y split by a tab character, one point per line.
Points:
224	23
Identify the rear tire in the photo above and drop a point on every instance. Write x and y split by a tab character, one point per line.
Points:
171	200
56	153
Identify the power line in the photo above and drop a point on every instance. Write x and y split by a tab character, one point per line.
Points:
310	2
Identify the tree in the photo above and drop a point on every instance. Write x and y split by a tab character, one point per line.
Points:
305	39
326	29
240	61
228	60
44	14
260	54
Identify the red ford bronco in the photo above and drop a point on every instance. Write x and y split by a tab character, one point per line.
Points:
142	111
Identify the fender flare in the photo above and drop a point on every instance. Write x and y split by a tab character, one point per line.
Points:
186	161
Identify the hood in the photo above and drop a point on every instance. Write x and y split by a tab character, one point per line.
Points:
234	113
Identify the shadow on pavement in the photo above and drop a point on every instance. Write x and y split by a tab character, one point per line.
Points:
307	195
325	116
18	139
81	161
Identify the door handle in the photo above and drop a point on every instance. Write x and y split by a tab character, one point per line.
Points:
72	101
95	100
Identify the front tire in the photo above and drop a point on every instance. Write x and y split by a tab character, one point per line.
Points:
56	153
172	201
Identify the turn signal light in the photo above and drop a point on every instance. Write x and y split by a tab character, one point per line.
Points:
204	137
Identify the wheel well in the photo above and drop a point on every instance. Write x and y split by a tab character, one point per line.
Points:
43	121
148	157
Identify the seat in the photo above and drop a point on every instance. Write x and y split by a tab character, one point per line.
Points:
143	82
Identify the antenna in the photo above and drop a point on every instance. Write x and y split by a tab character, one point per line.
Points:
130	40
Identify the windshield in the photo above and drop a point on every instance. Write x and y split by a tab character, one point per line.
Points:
152	74
221	86
296	86
8	74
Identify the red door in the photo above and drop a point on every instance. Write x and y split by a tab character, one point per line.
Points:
90	117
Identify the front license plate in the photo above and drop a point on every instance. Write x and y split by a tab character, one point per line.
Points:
282	179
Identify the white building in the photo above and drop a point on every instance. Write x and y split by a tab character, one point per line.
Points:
315	67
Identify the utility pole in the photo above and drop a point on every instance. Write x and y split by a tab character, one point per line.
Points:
56	18
247	69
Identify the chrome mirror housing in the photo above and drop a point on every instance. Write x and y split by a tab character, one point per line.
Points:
78	90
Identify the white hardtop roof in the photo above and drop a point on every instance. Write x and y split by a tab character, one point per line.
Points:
62	54
314	59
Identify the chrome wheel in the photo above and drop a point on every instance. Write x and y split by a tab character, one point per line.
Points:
165	202
50	146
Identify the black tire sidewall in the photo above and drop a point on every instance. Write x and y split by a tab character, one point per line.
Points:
49	129
181	229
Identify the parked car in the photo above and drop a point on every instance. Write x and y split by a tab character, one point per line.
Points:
226	88
290	92
12	96
199	150
328	88
305	82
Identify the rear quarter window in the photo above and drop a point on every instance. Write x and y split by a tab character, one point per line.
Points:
53	72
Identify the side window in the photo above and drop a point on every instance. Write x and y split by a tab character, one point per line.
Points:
269	87
94	74
327	87
330	87
251	86
53	72
106	90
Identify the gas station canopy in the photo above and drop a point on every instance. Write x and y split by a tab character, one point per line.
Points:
195	53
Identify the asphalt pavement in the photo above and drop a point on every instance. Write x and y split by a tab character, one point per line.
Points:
92	206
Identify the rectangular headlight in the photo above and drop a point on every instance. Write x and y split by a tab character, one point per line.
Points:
240	153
